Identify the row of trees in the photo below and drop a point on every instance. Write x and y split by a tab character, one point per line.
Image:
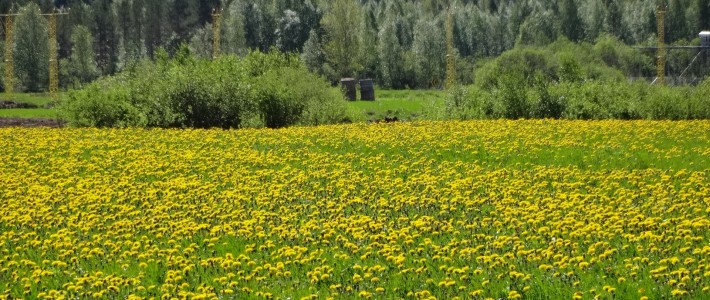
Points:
399	43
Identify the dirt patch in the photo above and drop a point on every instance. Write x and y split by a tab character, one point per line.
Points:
30	122
385	120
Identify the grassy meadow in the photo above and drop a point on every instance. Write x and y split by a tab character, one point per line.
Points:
403	104
40	100
419	210
46	113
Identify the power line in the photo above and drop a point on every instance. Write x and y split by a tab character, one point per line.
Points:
691	63
670	47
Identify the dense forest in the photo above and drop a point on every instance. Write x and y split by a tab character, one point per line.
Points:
399	43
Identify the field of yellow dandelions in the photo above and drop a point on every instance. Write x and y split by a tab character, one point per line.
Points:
424	210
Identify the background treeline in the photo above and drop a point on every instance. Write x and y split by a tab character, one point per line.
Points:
399	43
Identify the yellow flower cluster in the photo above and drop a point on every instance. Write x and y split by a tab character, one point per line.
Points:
424	210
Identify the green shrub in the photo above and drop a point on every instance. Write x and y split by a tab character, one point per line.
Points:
546	104
262	89
258	63
464	103
203	95
570	68
629	61
668	104
598	100
588	100
326	106
583	101
2	68
608	60
148	85
130	99
112	109
279	104
2	73
514	97
288	96
699	101
678	103
525	64
574	81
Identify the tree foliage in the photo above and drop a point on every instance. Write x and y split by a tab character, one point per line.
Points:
429	50
391	56
313	56
342	45
81	67
571	22
350	38
31	53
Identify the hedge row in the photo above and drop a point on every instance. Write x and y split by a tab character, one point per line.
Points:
260	89
573	81
581	100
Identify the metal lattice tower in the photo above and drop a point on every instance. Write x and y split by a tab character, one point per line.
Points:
53	64
661	56
216	29
450	50
53	47
9	64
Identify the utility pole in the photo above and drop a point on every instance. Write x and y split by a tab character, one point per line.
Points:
661	56
53	47
216	30
450	50
9	64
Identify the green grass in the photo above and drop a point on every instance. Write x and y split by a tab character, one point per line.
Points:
403	104
45	113
41	100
